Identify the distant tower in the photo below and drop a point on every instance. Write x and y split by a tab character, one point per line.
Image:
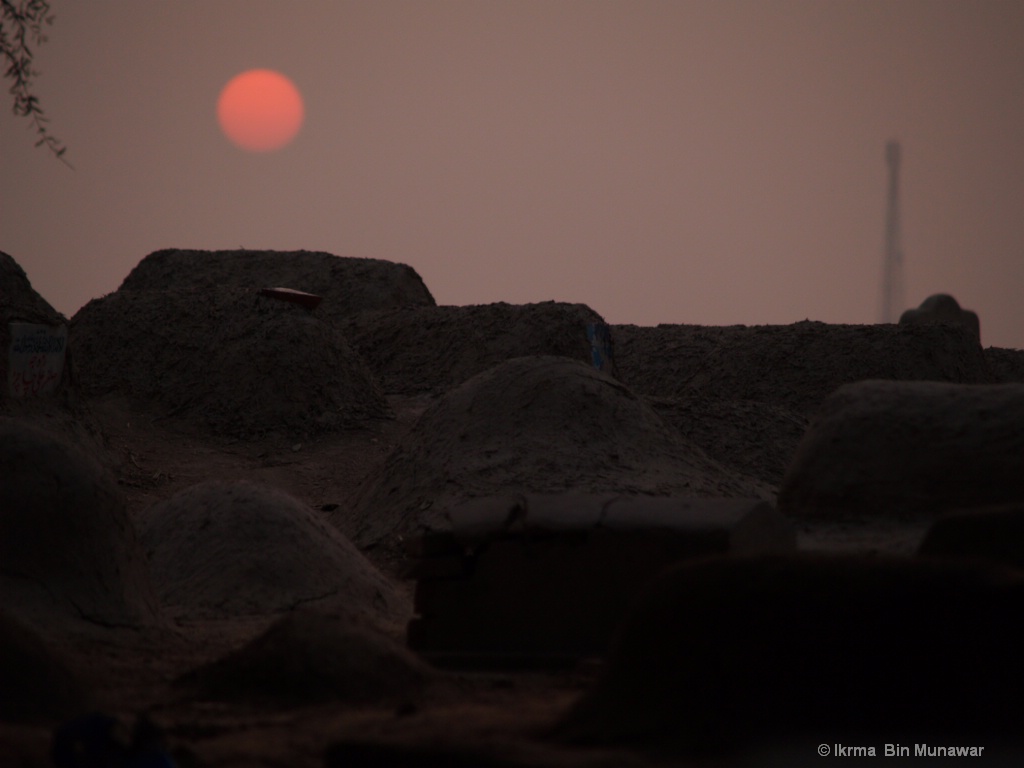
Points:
892	280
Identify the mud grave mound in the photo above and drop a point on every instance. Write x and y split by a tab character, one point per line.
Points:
895	449
19	300
943	308
432	349
232	361
36	683
61	412
756	438
19	303
219	550
793	366
728	653
540	424
347	285
310	657
1007	365
67	547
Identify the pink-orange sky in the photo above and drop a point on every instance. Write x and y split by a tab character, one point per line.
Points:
705	161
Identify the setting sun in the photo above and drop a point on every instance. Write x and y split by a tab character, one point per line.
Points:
260	110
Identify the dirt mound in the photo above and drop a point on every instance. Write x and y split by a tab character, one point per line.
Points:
232	549
347	285
890	448
540	424
67	547
421	349
1007	365
795	366
725	653
756	438
60	411
228	359
943	308
19	303
308	658
35	682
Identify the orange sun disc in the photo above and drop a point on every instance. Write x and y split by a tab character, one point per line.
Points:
260	110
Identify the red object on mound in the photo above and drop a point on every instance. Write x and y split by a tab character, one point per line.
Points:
308	300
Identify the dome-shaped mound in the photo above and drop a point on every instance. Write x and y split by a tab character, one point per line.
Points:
897	448
419	349
239	363
750	436
35	682
347	285
943	308
67	546
538	424
727	653
310	657
230	549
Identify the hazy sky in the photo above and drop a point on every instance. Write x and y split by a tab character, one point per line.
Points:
706	161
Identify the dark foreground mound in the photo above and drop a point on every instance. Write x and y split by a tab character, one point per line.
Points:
67	546
732	653
995	534
35	682
308	658
228	359
537	424
228	549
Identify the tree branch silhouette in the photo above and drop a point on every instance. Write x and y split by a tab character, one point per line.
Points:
21	24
